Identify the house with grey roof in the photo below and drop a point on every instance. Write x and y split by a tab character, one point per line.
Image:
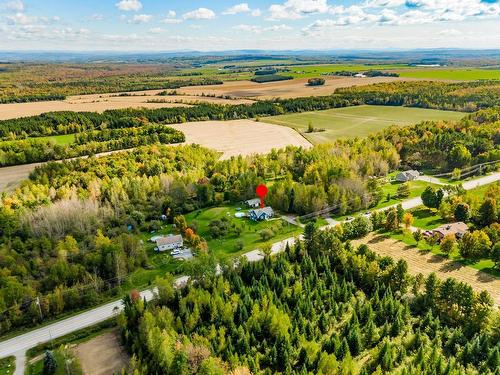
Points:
260	214
457	229
406	176
254	202
170	242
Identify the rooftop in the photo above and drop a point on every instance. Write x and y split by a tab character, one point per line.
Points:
173	238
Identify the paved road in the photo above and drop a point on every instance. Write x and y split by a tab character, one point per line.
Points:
18	345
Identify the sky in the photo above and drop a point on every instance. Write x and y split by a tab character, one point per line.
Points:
217	25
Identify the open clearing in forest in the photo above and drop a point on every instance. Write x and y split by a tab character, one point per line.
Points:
283	89
102	355
425	262
358	120
240	137
102	102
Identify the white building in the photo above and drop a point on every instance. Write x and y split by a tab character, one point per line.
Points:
407	176
169	242
255	202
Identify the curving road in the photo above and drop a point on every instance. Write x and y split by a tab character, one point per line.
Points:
18	345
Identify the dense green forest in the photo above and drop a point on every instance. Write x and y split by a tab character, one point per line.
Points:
71	232
323	307
89	142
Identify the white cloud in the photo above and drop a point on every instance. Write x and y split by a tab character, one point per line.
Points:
170	18
15	5
259	29
256	12
142	18
156	30
199	14
96	17
238	8
20	19
450	32
295	9
128	5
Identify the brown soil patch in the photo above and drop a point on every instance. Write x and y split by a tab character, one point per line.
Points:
102	355
240	137
426	263
284	89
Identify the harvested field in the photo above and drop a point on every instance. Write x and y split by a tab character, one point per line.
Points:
425	262
102	355
240	137
102	102
283	89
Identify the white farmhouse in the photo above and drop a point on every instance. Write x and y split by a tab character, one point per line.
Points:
169	242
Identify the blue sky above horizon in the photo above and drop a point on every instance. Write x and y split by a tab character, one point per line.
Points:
170	25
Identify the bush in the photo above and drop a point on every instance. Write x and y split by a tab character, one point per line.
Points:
266	234
316	81
270	78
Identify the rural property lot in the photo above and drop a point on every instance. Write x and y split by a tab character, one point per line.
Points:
102	355
284	89
357	121
426	263
103	102
240	137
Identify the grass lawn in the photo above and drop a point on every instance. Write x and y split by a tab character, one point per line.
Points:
485	265
7	365
426	219
65	139
465	74
227	246
357	120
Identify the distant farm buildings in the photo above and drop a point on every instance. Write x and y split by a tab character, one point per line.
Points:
260	214
407	176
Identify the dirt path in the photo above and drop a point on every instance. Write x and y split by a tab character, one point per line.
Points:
102	355
425	262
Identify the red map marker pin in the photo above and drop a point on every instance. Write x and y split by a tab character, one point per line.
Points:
261	191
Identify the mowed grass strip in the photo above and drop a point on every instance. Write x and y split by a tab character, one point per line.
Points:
358	121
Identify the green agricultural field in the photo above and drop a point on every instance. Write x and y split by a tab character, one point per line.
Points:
308	71
227	246
62	140
464	74
357	121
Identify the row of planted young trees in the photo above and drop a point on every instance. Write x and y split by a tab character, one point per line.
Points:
322	307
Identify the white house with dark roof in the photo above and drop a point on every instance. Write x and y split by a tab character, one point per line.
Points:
254	202
406	176
260	214
170	242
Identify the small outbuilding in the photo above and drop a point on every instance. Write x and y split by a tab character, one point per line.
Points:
457	229
254	203
170	242
360	75
260	214
406	176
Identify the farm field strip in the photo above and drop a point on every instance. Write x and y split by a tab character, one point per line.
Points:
357	120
